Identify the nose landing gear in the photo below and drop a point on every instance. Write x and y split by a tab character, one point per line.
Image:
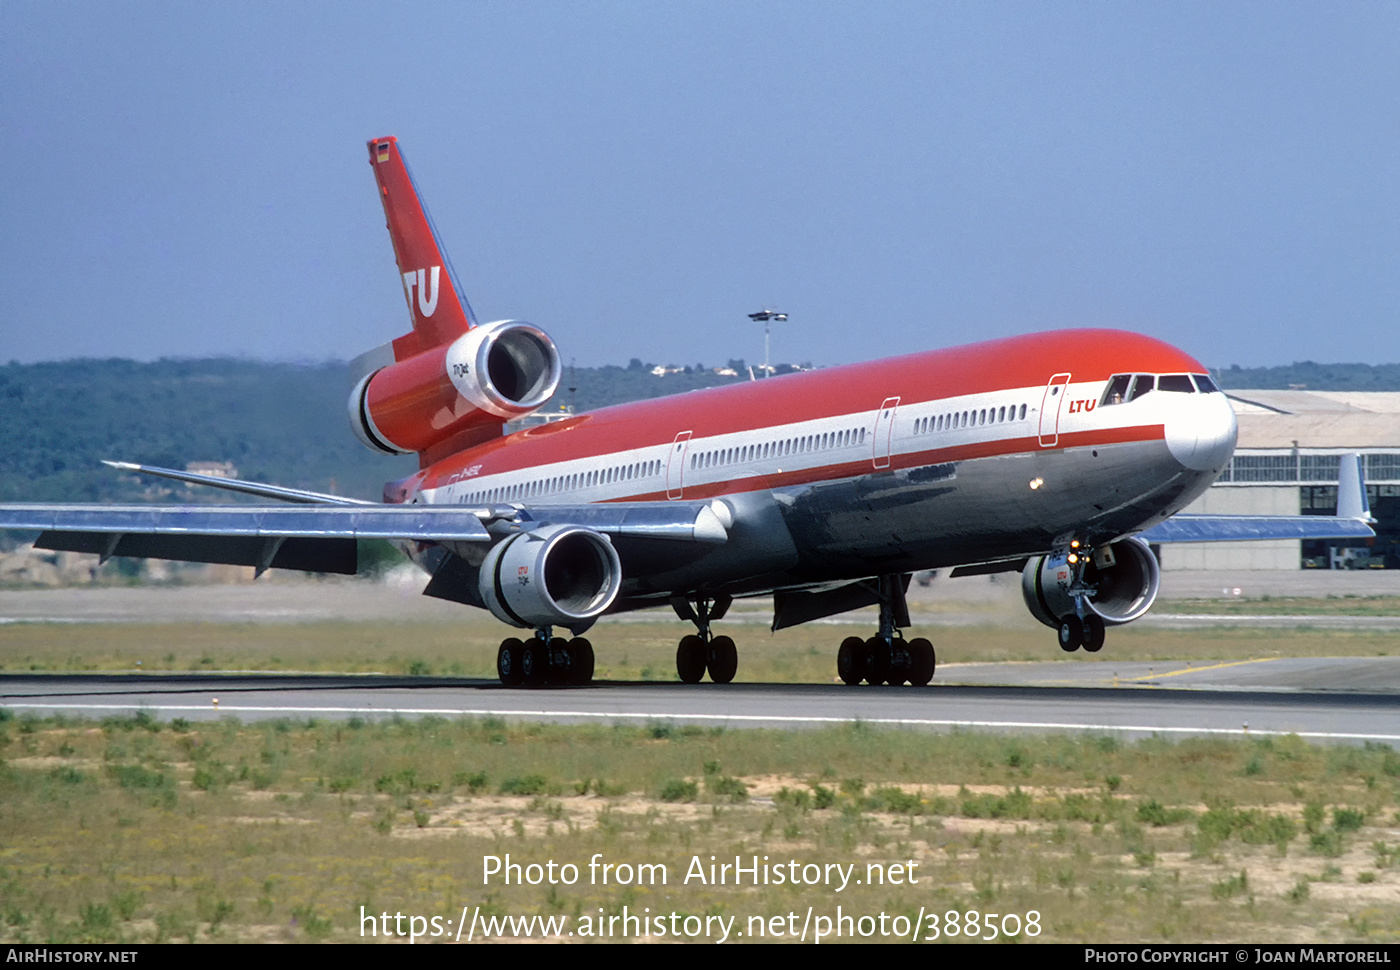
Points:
1084	627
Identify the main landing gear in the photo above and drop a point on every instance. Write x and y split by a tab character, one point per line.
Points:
1082	628
699	652
545	659
887	658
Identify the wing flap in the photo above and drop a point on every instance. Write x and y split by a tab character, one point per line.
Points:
314	555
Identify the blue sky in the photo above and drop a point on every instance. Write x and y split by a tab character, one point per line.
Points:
635	178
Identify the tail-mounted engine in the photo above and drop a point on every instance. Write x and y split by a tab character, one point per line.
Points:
491	374
1124	576
557	575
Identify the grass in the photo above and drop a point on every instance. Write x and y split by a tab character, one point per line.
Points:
633	649
133	830
108	834
1286	606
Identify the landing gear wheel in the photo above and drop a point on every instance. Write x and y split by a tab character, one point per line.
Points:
1093	633
690	659
877	661
921	661
580	652
850	660
724	660
508	662
534	661
899	664
1071	633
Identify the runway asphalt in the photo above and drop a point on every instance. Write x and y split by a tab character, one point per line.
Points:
1330	699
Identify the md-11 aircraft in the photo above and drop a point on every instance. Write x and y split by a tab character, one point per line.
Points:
1060	455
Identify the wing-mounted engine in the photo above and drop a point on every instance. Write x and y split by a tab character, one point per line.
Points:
489	375
557	575
1124	576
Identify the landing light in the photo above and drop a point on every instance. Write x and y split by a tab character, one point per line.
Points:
1036	483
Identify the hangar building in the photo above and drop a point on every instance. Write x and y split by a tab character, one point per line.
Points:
1286	464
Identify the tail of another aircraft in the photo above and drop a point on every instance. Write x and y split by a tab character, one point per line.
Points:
439	310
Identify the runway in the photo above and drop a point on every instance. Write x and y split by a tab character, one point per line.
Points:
1325	700
1349	700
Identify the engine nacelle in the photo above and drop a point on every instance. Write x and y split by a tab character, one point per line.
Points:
559	574
490	374
1127	577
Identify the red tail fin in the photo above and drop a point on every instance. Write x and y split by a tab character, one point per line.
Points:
439	310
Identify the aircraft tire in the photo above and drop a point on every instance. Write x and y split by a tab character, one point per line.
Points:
1093	633
900	660
581	661
508	662
922	662
1071	633
690	659
850	661
724	660
877	661
534	662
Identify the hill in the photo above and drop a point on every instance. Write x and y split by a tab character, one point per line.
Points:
286	423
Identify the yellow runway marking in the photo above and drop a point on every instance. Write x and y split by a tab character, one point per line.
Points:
1197	670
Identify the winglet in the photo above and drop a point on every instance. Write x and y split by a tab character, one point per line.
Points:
436	303
1351	490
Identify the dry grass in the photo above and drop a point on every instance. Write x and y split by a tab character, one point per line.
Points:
632	649
132	831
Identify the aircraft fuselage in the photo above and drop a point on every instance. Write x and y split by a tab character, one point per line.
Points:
971	454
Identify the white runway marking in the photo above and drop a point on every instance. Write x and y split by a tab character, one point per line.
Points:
748	719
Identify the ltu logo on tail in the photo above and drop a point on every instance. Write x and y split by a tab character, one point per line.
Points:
427	293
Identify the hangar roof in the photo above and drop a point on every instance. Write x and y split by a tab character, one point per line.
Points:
1317	419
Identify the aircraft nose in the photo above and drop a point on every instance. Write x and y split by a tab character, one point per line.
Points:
1201	431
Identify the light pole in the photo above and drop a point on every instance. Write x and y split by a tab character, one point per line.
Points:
767	317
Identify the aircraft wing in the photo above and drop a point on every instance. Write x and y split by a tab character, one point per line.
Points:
1237	528
1352	521
321	538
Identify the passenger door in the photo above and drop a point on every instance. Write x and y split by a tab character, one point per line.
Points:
1050	407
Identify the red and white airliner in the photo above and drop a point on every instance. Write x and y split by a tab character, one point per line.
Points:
1059	455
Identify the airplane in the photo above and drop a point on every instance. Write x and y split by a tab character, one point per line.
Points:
1061	455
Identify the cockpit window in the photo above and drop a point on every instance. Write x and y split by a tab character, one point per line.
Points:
1130	387
1117	390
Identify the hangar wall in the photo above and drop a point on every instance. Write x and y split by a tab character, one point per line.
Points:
1238	500
1285	463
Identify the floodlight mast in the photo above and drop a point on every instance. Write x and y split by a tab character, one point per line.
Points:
767	317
